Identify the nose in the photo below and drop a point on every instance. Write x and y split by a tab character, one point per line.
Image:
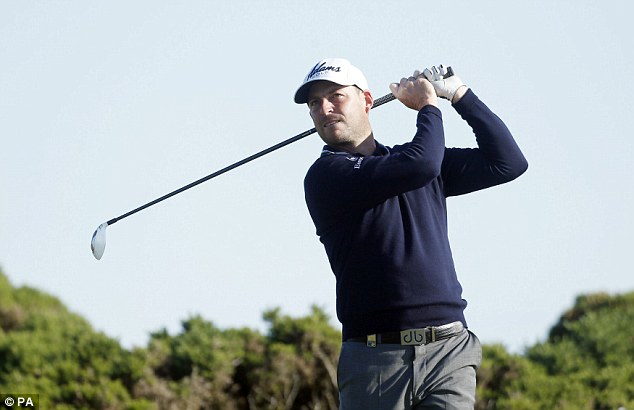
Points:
324	106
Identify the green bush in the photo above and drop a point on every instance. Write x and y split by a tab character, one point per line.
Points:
587	362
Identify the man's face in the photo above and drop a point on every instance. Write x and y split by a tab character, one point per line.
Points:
340	113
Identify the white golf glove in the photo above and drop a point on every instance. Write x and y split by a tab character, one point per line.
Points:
445	87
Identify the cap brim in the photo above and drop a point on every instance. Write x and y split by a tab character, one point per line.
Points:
301	95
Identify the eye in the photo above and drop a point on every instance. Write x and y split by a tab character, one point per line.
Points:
337	96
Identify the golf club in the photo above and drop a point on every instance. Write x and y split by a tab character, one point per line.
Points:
98	242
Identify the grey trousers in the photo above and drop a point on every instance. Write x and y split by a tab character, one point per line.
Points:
440	375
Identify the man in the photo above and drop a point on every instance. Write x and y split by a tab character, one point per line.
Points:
381	215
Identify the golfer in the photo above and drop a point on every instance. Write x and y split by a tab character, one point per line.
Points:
381	215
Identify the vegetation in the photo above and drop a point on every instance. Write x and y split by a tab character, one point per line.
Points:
587	362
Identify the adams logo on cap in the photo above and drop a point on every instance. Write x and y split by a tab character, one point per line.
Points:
336	70
320	68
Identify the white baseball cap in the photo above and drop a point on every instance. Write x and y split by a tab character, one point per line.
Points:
336	70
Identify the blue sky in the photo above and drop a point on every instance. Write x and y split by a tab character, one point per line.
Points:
105	106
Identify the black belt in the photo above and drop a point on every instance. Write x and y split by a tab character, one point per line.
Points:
411	337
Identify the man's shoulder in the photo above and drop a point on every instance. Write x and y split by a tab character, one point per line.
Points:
317	168
323	164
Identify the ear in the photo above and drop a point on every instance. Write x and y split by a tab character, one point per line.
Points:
369	101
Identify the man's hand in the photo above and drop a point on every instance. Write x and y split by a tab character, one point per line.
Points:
415	92
450	88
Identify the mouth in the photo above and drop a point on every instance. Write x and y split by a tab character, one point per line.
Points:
330	123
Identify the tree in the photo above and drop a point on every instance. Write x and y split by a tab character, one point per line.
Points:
198	368
587	362
300	364
45	349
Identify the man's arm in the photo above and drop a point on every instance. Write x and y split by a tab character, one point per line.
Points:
497	160
351	181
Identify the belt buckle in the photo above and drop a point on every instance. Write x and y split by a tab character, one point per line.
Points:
416	337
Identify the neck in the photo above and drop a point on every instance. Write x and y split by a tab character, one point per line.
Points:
365	147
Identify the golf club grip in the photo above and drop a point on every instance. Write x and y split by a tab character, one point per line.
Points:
377	103
390	97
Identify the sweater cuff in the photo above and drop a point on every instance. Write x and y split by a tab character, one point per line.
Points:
466	101
431	109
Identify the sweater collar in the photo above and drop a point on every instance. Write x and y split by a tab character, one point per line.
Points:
379	151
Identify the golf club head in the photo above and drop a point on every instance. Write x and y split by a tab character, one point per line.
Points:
98	242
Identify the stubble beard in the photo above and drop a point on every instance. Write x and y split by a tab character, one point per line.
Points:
344	136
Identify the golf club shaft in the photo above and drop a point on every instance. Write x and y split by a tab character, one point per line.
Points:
378	102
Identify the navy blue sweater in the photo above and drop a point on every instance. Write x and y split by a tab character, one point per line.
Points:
383	219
